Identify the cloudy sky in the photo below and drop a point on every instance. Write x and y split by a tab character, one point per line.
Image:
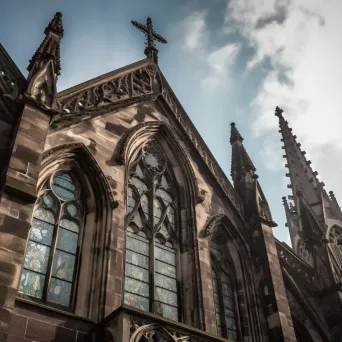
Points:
226	60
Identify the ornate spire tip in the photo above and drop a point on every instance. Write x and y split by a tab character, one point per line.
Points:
278	112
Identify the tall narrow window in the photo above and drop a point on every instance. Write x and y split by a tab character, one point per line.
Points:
223	291
151	259
50	261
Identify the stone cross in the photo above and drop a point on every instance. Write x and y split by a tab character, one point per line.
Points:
150	50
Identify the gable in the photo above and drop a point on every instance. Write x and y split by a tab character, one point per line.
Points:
136	84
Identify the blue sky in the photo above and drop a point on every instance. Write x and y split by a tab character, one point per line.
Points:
225	60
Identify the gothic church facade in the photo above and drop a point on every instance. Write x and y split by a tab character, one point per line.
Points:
117	223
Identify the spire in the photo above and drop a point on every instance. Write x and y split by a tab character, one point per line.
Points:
150	51
241	162
50	47
303	179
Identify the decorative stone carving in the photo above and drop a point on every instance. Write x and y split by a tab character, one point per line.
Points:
153	127
144	332
331	214
295	265
141	81
211	223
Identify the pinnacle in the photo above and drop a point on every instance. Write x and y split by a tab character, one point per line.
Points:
56	25
235	134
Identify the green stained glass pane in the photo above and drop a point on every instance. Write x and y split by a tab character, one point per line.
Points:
64	183
157	211
70	225
63	193
215	285
171	214
165	282
230	323
165	196
59	292
216	299
229	312
65	176
63	265
166	311
37	257
131	202
227	289
137	259
137	220
139	185
67	241
166	256
144	205
165	296
228	302
72	209
137	273
166	269
217	252
139	172
44	215
139	302
32	283
219	331
232	335
218	319
137	287
48	200
164	182
137	245
41	231
163	230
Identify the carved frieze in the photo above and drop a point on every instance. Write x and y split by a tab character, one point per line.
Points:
138	82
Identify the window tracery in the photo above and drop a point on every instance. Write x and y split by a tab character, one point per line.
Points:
223	291
304	253
335	239
51	253
151	265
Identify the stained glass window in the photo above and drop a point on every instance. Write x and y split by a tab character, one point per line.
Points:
223	292
151	262
51	252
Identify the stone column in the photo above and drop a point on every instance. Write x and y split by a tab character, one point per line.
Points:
16	206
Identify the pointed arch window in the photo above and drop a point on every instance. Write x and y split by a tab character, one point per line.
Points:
223	291
151	237
52	249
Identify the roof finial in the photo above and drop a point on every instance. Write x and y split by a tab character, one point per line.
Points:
278	111
150	50
50	47
234	134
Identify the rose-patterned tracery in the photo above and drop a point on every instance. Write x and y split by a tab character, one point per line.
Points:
223	289
50	261
151	267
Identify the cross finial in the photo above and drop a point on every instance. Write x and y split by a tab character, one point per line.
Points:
150	50
278	111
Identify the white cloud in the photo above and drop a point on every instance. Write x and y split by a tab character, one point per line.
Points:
195	31
302	40
220	62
